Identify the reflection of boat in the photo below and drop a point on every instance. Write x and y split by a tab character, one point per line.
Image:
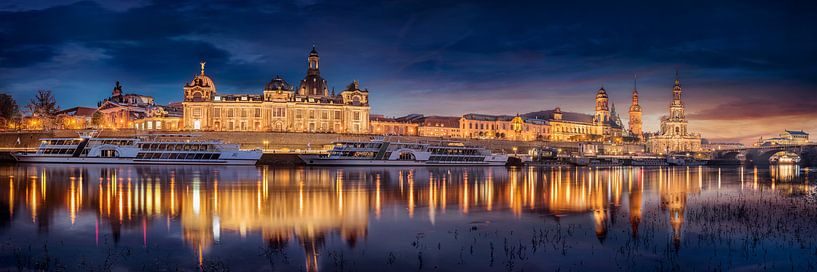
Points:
383	152
147	149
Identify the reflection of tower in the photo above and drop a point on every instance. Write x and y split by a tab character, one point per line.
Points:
312	246
635	210
673	200
600	213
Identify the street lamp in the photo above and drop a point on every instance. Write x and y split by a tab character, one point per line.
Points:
266	145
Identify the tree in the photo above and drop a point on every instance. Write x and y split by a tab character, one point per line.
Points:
96	119
43	107
8	109
43	104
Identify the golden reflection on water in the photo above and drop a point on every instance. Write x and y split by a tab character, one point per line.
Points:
308	204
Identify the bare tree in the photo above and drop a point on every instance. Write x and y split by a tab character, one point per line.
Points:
8	109
43	104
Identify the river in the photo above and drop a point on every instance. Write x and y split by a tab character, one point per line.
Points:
92	217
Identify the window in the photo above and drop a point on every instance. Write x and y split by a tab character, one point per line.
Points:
337	115
217	112
158	124
197	112
196	124
257	112
244	113
230	113
299	113
357	116
150	124
311	114
324	115
279	112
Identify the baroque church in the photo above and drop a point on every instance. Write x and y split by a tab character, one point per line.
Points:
280	107
673	135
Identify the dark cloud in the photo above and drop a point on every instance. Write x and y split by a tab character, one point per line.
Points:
532	55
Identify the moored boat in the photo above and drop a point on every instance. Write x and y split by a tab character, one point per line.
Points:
381	152
144	149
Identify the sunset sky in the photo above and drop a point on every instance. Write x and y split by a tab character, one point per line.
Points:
748	68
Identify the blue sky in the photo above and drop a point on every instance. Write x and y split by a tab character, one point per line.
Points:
747	67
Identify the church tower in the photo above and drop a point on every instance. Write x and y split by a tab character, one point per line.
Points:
313	84
676	123
635	115
602	114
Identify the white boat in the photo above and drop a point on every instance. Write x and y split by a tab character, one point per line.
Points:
145	149
379	152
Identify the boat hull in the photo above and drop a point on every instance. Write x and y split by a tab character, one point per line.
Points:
349	162
96	160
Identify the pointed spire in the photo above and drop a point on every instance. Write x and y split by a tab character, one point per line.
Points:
677	77
635	84
202	63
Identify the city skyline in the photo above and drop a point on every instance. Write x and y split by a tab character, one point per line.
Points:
745	70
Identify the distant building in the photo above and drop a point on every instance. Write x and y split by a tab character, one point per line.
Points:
439	126
162	118
516	128
379	124
75	118
716	146
309	108
119	111
674	136
788	137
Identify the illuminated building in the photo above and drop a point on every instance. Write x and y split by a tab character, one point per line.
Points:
636	130
381	125
281	107
508	127
120	110
788	137
75	118
674	136
162	119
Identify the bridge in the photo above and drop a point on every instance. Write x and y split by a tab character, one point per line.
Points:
761	155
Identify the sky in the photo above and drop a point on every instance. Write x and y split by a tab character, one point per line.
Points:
748	68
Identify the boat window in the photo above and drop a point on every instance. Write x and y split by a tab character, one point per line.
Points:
189	156
165	156
198	156
216	156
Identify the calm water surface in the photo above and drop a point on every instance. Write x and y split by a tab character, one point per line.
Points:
73	217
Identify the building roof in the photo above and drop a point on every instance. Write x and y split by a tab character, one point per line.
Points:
566	116
797	132
278	84
487	117
78	111
240	97
441	121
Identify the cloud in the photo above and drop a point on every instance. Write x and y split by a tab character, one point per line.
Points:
739	61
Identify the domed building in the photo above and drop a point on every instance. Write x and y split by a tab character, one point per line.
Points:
280	107
313	84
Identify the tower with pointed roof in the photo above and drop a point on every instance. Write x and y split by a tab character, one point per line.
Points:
673	135
635	125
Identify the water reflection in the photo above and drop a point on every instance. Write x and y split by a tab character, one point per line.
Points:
312	209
